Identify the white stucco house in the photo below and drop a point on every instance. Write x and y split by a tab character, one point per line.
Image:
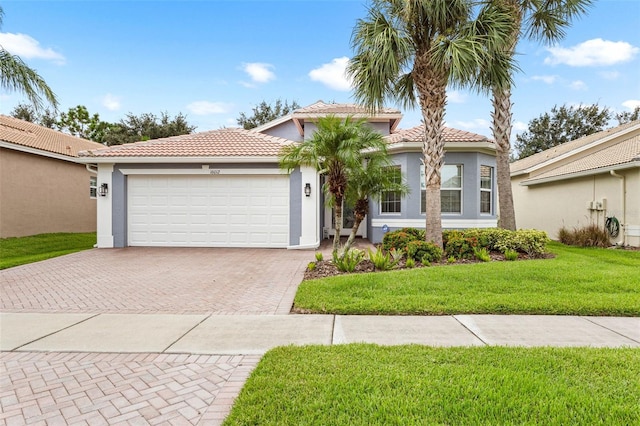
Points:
582	182
224	188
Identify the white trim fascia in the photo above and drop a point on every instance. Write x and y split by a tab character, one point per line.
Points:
591	172
487	147
305	247
446	223
581	149
203	171
272	123
36	151
179	160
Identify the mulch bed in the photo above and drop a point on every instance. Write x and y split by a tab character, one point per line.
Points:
326	268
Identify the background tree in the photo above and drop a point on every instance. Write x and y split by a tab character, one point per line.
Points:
537	20
27	112
15	75
264	113
80	123
561	125
134	128
627	117
404	47
336	148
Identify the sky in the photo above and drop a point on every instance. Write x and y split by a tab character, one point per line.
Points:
213	59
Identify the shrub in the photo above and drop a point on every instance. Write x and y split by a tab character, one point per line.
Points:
381	260
532	242
398	240
511	255
396	255
482	254
410	263
319	256
587	236
451	259
311	266
425	260
419	250
459	245
349	261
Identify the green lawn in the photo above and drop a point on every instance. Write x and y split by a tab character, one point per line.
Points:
417	385
578	281
22	250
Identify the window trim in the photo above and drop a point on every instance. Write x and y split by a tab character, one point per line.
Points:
398	213
461	189
93	187
488	190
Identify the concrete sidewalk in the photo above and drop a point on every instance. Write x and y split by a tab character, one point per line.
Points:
255	334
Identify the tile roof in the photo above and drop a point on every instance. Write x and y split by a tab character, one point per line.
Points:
24	133
622	152
566	148
416	134
323	108
226	142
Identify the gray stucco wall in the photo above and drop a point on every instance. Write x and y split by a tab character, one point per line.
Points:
287	130
295	207
410	205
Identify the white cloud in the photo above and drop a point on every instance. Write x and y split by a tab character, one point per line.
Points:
549	79
111	102
456	97
259	72
207	108
609	75
596	52
28	47
518	127
631	103
578	85
333	74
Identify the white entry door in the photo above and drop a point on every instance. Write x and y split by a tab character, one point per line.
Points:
208	211
348	221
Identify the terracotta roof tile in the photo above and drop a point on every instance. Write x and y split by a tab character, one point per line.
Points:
227	142
416	134
31	135
622	152
323	108
565	148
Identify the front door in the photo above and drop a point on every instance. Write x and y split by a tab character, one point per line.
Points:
348	221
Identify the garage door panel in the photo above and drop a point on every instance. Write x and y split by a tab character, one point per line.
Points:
209	211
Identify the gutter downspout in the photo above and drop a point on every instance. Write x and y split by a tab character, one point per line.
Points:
91	169
623	190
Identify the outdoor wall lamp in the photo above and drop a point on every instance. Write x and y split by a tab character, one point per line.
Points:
104	190
307	189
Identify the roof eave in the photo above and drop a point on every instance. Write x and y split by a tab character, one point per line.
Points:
37	151
488	147
591	172
179	160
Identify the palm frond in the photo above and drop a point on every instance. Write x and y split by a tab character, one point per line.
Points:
15	75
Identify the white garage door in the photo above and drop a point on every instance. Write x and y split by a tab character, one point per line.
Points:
208	211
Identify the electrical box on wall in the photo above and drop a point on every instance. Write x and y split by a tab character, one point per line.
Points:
597	205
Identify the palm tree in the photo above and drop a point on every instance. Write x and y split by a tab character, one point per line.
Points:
409	46
15	75
537	20
375	177
337	147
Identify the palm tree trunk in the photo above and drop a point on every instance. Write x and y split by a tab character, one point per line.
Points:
337	217
432	85
501	118
359	213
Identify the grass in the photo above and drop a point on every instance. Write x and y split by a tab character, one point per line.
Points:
406	385
578	281
23	250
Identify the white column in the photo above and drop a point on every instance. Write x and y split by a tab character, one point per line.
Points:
310	208
104	207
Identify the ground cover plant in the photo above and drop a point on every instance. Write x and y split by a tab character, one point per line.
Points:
577	281
23	250
415	385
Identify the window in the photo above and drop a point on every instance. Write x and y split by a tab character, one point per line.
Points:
450	189
93	186
486	188
391	200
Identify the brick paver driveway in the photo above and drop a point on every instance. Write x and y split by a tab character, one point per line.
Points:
158	280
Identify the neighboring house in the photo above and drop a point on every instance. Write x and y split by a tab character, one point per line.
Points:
43	188
582	182
225	188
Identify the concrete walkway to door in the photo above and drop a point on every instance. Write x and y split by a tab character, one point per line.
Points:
137	280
